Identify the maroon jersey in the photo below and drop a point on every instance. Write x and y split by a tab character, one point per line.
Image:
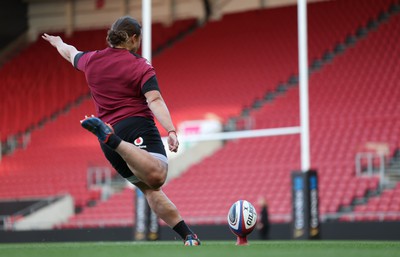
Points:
116	78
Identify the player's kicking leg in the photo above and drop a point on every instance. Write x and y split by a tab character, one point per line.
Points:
146	167
151	174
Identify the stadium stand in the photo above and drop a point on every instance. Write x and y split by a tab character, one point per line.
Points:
385	207
116	211
59	153
54	163
346	112
346	96
36	95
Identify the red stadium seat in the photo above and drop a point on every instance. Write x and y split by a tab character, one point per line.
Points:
346	111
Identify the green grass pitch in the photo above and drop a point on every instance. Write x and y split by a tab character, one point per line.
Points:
208	249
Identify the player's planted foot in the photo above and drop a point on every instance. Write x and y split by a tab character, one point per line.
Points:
192	240
102	130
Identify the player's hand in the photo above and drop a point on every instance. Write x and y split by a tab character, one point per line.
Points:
53	40
173	142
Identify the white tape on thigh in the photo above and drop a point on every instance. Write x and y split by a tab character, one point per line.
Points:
159	156
133	179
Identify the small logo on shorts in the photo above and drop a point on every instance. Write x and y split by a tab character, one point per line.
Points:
139	142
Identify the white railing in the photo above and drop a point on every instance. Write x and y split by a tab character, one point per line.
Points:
6	223
370	158
100	178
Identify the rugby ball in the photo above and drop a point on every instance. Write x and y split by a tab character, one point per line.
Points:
242	218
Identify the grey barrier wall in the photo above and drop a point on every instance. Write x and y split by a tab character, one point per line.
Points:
329	231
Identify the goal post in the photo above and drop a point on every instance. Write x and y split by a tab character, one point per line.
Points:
309	178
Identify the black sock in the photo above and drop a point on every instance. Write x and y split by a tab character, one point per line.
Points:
113	141
182	229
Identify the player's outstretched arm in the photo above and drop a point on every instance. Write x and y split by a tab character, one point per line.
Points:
65	50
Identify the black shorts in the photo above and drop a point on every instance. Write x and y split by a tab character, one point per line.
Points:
141	132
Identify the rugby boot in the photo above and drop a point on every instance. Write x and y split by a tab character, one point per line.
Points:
192	240
102	130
